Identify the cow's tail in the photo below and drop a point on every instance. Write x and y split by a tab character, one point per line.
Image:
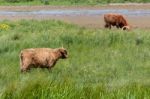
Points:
21	61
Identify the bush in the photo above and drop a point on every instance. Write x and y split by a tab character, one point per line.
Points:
14	1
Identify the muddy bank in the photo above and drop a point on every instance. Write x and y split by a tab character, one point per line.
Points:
138	15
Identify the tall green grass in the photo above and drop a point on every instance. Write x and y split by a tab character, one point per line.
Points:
67	2
102	64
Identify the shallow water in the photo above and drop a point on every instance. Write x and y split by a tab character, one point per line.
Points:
78	12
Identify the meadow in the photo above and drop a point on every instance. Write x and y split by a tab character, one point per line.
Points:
67	2
102	63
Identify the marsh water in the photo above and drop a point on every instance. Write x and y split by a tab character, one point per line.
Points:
75	12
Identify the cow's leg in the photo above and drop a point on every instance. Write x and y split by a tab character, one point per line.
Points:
51	64
24	68
25	65
121	25
108	26
117	25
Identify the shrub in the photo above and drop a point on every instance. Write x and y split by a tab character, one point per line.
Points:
14	1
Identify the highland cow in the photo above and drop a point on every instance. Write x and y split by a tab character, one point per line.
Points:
41	58
116	20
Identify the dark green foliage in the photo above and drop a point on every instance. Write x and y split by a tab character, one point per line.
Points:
71	2
14	1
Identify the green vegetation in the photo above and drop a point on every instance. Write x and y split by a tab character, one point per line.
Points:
67	2
102	64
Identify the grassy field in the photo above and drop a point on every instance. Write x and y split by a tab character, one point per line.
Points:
102	64
67	2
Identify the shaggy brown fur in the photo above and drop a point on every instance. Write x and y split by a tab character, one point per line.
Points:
41	57
117	20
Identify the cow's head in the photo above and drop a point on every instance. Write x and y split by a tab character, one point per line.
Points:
63	52
126	28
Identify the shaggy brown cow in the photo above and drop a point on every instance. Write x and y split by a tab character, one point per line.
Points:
117	20
41	57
